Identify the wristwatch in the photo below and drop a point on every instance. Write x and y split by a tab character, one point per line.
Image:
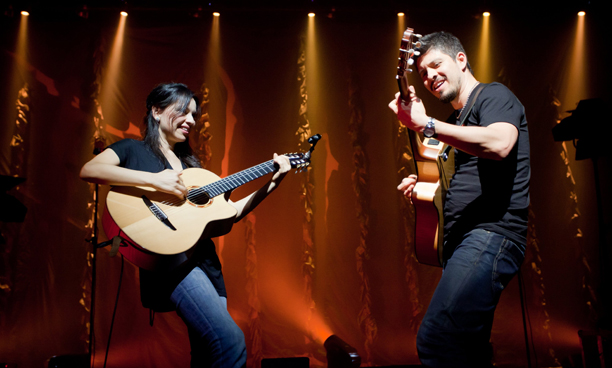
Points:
430	128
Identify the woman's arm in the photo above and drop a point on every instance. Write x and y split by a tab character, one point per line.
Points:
104	169
248	203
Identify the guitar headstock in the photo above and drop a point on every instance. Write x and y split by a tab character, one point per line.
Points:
407	52
300	161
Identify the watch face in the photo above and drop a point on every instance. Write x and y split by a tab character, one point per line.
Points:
429	130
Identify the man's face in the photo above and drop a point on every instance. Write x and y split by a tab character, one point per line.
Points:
441	74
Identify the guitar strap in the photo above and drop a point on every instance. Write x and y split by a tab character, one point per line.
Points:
446	167
446	149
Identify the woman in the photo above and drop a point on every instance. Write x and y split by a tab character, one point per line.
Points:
196	289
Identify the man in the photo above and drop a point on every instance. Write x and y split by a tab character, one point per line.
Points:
485	208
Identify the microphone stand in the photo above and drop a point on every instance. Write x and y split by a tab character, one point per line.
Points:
94	242
98	147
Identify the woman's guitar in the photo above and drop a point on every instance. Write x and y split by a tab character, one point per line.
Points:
428	193
158	231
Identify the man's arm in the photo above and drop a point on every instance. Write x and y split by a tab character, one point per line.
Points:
494	141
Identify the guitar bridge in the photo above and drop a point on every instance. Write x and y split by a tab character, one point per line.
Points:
157	212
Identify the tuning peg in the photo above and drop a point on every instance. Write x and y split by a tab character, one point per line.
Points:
314	139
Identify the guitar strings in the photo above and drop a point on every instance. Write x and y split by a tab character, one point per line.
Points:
219	187
229	182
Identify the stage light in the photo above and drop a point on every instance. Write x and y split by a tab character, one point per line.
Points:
23	12
216	14
84	13
581	14
124	14
486	14
340	354
9	12
400	14
331	13
311	14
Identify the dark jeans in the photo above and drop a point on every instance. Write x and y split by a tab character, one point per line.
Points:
216	340
456	329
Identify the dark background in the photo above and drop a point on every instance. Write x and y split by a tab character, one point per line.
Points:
45	267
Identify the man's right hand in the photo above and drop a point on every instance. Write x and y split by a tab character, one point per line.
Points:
407	185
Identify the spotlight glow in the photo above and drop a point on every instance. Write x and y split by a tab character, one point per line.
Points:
108	98
123	14
311	14
25	13
400	14
486	14
216	14
483	60
581	14
577	71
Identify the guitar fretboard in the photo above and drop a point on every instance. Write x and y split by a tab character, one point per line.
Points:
233	181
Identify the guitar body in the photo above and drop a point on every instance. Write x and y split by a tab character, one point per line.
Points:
428	235
153	244
432	171
427	199
158	231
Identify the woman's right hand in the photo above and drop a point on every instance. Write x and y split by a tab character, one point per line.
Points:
169	181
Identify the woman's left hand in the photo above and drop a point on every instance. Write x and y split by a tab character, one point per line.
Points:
283	165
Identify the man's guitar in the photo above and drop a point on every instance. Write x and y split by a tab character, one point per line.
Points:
158	231
427	193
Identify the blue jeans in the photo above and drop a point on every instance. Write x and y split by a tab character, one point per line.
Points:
456	328
216	340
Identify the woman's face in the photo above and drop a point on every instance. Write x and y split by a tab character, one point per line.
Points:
174	125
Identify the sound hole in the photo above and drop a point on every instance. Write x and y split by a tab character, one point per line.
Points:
199	197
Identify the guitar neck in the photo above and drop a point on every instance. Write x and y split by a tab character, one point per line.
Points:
402	84
235	180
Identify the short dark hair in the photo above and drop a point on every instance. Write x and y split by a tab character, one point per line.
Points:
444	42
161	97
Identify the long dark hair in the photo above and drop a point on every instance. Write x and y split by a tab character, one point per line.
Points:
161	97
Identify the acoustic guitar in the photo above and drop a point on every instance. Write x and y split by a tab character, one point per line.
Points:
158	231
428	192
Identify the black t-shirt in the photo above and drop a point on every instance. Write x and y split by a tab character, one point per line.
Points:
489	194
156	287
